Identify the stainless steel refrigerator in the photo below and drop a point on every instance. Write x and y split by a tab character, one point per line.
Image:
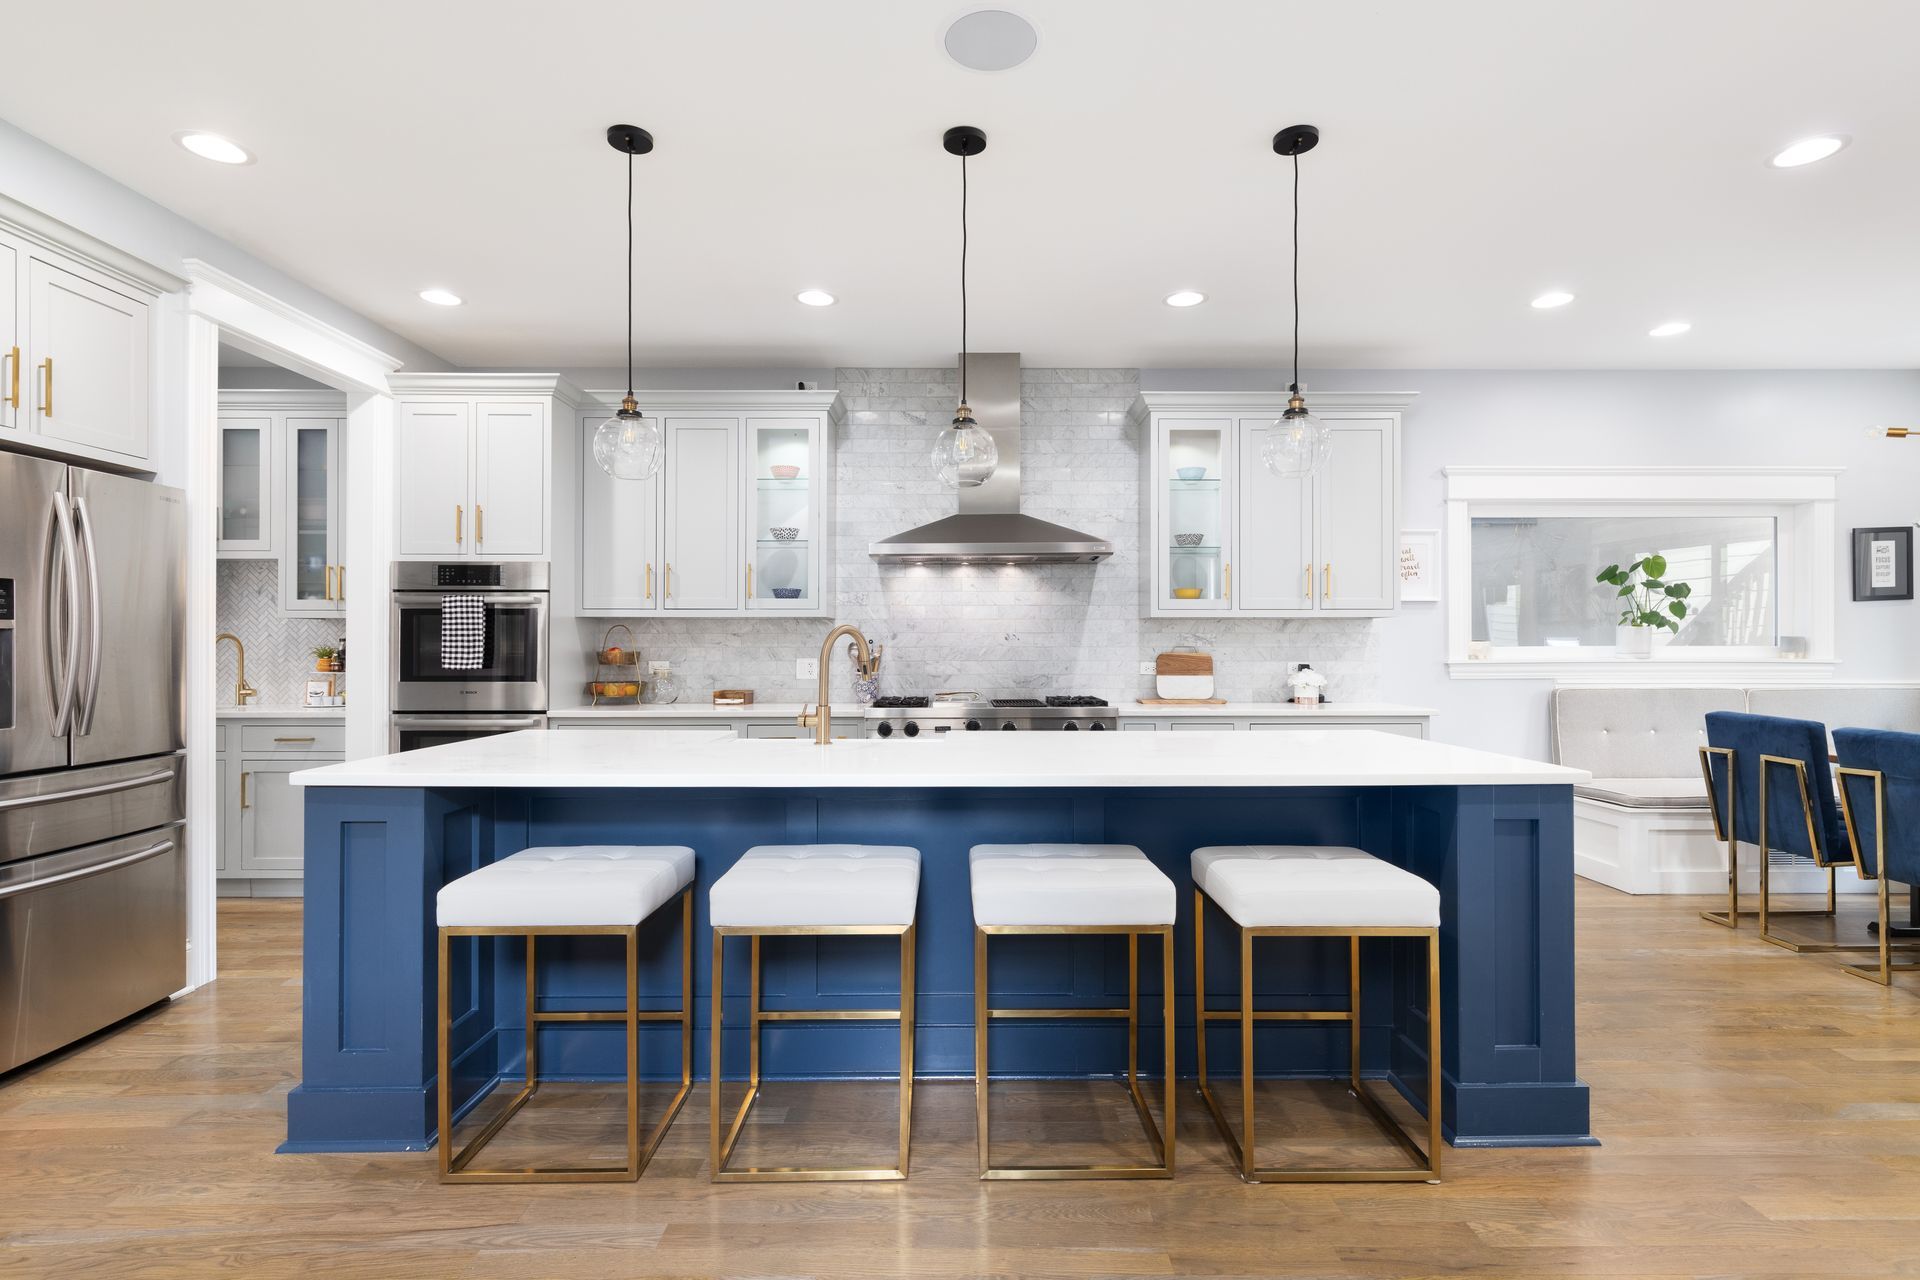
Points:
93	892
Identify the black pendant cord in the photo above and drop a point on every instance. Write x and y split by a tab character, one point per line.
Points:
630	274
963	277
1296	273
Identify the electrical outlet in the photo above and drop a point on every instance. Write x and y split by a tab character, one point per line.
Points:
1147	668
806	668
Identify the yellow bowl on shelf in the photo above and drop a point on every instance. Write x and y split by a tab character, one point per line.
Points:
1186	593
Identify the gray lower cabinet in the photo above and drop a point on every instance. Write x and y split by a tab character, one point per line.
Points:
740	727
1410	726
262	816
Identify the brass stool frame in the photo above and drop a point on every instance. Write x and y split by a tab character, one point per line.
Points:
983	1016
454	1166
1428	1167
721	1150
1882	971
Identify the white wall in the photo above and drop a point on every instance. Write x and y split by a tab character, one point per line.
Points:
1504	418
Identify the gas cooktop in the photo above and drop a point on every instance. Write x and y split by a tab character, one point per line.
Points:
913	716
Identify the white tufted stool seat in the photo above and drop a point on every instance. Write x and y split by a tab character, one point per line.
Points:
1268	885
573	891
1070	889
810	890
1067	884
569	885
817	885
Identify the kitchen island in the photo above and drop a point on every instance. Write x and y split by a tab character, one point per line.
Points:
1494	833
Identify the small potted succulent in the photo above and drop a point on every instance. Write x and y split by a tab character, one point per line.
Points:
323	657
1647	600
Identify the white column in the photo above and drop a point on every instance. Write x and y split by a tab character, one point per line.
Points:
202	483
369	566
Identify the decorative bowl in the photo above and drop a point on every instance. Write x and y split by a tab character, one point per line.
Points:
1186	593
784	532
786	593
785	473
1188	539
1191	473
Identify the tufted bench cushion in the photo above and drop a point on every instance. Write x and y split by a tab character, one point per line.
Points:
1067	884
1647	793
1268	885
1636	733
773	885
568	885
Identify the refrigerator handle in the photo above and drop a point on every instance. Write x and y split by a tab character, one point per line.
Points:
62	676
84	712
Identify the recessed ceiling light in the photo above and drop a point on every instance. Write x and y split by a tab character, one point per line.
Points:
1552	298
1671	329
440	297
1186	298
211	146
815	298
1808	150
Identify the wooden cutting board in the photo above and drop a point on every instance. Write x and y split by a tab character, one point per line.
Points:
1183	664
1184	676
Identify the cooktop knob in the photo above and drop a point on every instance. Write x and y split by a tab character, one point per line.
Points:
886	729
1071	727
973	724
1009	725
1096	726
912	729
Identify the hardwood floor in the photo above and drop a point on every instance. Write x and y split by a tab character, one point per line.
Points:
1760	1114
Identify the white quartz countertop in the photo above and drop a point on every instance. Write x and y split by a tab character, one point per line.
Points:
1280	711
323	714
692	711
648	759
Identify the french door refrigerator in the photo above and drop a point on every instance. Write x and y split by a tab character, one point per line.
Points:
92	793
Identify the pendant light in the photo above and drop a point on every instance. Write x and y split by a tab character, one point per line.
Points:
1298	444
627	446
965	455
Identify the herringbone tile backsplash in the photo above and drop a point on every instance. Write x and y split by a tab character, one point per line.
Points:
279	648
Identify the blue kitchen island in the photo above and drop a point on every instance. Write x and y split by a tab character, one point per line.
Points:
1494	833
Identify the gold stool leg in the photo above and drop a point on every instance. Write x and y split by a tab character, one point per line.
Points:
1436	1066
444	1116
1247	1166
1166	1045
907	980
980	1074
632	1029
714	1063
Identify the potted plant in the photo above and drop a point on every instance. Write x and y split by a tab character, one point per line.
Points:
323	657
1647	601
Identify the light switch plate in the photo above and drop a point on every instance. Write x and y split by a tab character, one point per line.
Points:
806	668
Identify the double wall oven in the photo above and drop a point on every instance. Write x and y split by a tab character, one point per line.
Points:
435	704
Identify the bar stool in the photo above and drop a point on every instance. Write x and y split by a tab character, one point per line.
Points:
589	890
812	891
1292	891
1068	889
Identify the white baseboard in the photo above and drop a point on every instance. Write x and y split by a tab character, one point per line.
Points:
1672	851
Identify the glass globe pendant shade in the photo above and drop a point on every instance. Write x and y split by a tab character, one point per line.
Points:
1298	444
627	446
965	455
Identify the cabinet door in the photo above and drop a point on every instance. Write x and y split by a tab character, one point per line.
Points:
13	378
272	818
619	536
435	479
246	485
1275	539
510	481
88	361
310	572
1357	515
701	538
1193	525
784	505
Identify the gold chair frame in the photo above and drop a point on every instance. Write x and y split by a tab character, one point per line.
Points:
721	1148
1768	764
983	1016
1883	970
455	1165
1427	1166
1725	832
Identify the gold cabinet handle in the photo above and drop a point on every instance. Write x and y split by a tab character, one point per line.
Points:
340	582
13	364
1226	592
669	579
749	582
1309	582
306	739
649	579
1326	580
46	395
479	525
243	789
329	588
459	524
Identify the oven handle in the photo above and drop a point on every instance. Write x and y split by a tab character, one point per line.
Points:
417	720
494	599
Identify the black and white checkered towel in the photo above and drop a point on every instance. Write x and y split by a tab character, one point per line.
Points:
463	632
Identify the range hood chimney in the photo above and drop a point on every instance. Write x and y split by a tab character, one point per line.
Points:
990	528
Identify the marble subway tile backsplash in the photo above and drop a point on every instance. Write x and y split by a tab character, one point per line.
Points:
279	648
999	629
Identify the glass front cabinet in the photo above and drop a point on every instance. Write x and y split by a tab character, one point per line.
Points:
1225	537
738	522
246	486
281	492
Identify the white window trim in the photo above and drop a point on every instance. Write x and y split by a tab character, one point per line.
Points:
1803	499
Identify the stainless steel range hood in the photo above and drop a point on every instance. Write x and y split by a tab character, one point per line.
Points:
990	528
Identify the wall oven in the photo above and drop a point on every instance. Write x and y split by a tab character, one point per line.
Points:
512	671
413	730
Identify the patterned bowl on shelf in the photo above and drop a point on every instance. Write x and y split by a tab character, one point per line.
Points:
786	593
1188	539
784	532
785	473
1191	473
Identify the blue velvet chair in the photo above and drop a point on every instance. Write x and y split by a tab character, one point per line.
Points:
1880	799
1770	785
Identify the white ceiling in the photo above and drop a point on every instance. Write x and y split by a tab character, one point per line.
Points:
1474	153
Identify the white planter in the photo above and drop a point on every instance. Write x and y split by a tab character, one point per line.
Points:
1633	642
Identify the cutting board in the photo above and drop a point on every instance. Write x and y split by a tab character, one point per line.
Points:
1184	676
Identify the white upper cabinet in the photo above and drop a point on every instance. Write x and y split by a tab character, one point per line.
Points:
282	492
313	574
12	354
738	522
473	463
88	355
1224	537
246	485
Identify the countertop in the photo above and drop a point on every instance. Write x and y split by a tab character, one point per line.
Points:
1282	711
1128	709
281	713
649	759
694	711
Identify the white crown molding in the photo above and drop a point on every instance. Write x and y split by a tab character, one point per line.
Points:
486	384
1274	402
206	280
266	399
51	233
764	401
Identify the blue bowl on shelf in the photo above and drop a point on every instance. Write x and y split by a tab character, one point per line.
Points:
1191	473
786	593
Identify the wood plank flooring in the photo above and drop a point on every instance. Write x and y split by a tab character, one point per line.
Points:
1760	1114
